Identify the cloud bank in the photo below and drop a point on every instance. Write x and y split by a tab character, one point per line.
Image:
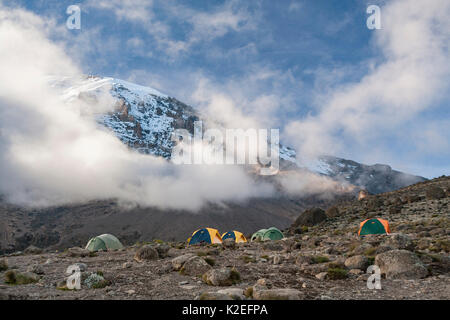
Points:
54	153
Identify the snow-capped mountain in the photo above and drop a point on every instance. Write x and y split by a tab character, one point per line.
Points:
144	119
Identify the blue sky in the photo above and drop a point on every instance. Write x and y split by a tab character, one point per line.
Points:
291	64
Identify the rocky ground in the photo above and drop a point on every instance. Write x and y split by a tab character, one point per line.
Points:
321	258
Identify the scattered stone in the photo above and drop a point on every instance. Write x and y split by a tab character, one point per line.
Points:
400	264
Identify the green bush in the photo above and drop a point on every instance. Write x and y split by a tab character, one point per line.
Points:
247	259
14	278
320	259
337	273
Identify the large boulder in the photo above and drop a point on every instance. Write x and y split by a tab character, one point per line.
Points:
400	264
310	217
195	266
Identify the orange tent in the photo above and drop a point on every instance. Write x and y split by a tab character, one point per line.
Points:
374	226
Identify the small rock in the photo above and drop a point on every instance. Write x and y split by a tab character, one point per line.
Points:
195	266
146	253
233	293
33	250
357	262
273	245
221	277
303	260
178	262
322	275
78	252
37	269
355	272
277	294
277	259
163	250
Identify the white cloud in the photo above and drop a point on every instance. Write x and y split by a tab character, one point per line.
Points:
356	117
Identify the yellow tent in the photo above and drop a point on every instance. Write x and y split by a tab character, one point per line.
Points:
236	235
205	235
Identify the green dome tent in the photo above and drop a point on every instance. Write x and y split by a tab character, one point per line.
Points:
267	234
258	235
104	242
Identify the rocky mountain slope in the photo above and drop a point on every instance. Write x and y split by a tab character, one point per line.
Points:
325	259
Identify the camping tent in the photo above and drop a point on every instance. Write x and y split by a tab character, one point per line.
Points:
267	234
373	226
236	235
205	235
104	242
